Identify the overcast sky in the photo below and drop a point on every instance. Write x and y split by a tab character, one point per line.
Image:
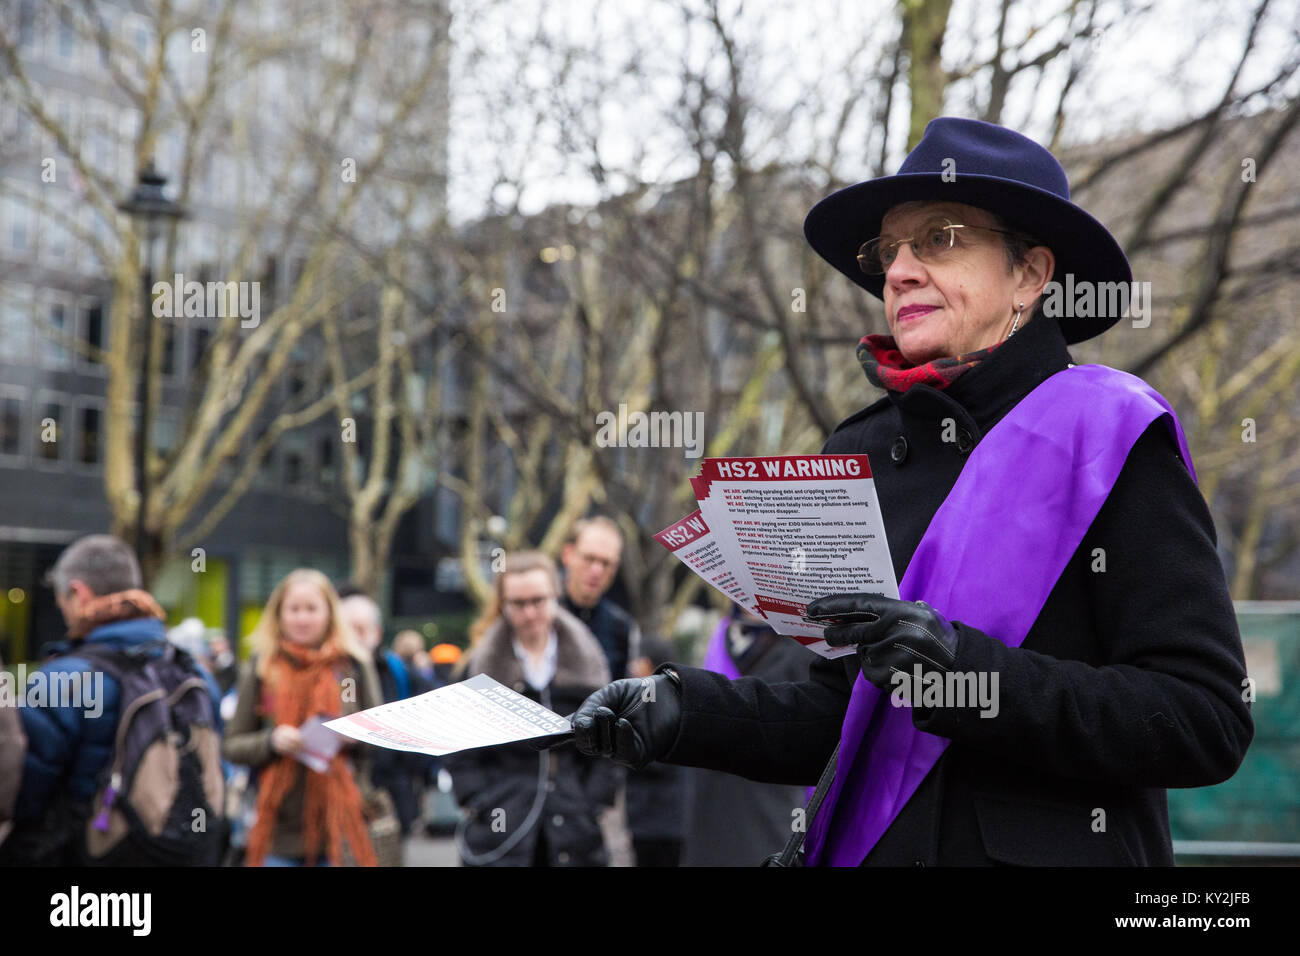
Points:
1149	71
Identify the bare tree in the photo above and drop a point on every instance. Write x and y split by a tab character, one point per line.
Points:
315	113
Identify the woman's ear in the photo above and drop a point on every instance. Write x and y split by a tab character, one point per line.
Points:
1037	269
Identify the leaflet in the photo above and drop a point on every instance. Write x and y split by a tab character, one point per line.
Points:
692	543
318	745
788	529
713	507
478	712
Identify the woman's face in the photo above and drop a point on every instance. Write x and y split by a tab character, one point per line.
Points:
965	300
528	602
304	615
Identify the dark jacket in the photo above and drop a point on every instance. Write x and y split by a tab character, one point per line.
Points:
1129	682
614	629
498	785
656	795
13	750
396	771
734	821
69	746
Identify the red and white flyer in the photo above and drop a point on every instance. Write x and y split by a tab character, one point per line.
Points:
792	528
478	712
692	543
713	501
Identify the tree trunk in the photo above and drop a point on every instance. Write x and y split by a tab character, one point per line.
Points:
924	24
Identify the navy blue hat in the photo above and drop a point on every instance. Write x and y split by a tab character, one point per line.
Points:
994	169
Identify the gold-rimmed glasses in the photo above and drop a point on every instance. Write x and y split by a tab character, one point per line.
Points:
933	242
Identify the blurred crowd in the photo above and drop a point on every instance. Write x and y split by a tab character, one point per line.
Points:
190	754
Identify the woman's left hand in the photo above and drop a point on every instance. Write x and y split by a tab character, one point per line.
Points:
891	636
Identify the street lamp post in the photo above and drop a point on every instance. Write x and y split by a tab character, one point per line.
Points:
149	206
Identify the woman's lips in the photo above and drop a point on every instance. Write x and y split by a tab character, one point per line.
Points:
915	311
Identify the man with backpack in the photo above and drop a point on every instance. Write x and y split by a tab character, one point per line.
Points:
92	793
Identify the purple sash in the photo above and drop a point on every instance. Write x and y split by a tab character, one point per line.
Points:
1024	500
717	658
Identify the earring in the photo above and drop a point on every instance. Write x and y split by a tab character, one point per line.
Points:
1016	324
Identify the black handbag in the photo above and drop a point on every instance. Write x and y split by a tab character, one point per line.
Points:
792	854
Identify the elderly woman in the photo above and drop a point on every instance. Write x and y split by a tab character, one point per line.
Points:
1048	536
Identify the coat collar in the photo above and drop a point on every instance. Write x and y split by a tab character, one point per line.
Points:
579	661
117	636
990	390
1023	362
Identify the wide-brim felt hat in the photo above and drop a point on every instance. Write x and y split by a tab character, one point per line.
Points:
997	170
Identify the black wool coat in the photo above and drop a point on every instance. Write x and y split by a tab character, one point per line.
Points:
734	821
1129	682
498	786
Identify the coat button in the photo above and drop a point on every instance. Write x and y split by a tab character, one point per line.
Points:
558	820
918	863
964	441
898	450
562	857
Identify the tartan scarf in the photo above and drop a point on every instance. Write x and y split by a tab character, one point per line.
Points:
303	682
886	367
118	606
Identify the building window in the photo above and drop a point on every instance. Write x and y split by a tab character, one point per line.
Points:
54	354
67	37
199	340
92	331
268	474
142	37
293	468
170	333
28	27
18	224
15	324
11	426
57	240
100	120
90	444
166	430
325	456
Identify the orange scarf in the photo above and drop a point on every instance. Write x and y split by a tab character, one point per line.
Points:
302	682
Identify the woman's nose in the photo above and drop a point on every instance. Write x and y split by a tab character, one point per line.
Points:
906	268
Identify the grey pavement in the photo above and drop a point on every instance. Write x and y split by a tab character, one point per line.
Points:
423	850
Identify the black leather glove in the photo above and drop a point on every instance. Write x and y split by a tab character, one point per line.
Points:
634	721
892	636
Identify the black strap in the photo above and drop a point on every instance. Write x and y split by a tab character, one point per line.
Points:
794	845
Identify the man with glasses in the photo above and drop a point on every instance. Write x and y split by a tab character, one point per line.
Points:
591	558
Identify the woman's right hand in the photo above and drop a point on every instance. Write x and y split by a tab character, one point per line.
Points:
285	739
634	722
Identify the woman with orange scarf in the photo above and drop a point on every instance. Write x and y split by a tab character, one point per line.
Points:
305	664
